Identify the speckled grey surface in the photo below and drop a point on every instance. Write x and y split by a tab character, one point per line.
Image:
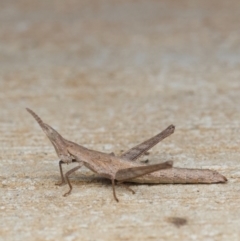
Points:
108	75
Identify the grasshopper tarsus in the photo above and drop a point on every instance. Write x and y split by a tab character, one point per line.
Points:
130	189
60	184
126	187
67	193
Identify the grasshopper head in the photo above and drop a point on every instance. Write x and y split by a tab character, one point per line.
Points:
56	139
50	132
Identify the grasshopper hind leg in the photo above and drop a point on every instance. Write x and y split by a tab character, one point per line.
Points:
126	187
114	191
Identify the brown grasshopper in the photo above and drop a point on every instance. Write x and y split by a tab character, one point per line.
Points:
105	165
122	169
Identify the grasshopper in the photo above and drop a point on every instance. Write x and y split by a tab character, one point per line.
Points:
122	168
105	165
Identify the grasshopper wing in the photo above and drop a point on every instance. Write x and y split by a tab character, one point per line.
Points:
135	152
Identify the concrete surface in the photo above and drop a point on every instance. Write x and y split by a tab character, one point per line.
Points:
109	74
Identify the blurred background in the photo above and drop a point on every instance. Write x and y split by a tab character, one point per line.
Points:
104	52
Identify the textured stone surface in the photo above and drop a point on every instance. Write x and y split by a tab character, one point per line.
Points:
109	74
